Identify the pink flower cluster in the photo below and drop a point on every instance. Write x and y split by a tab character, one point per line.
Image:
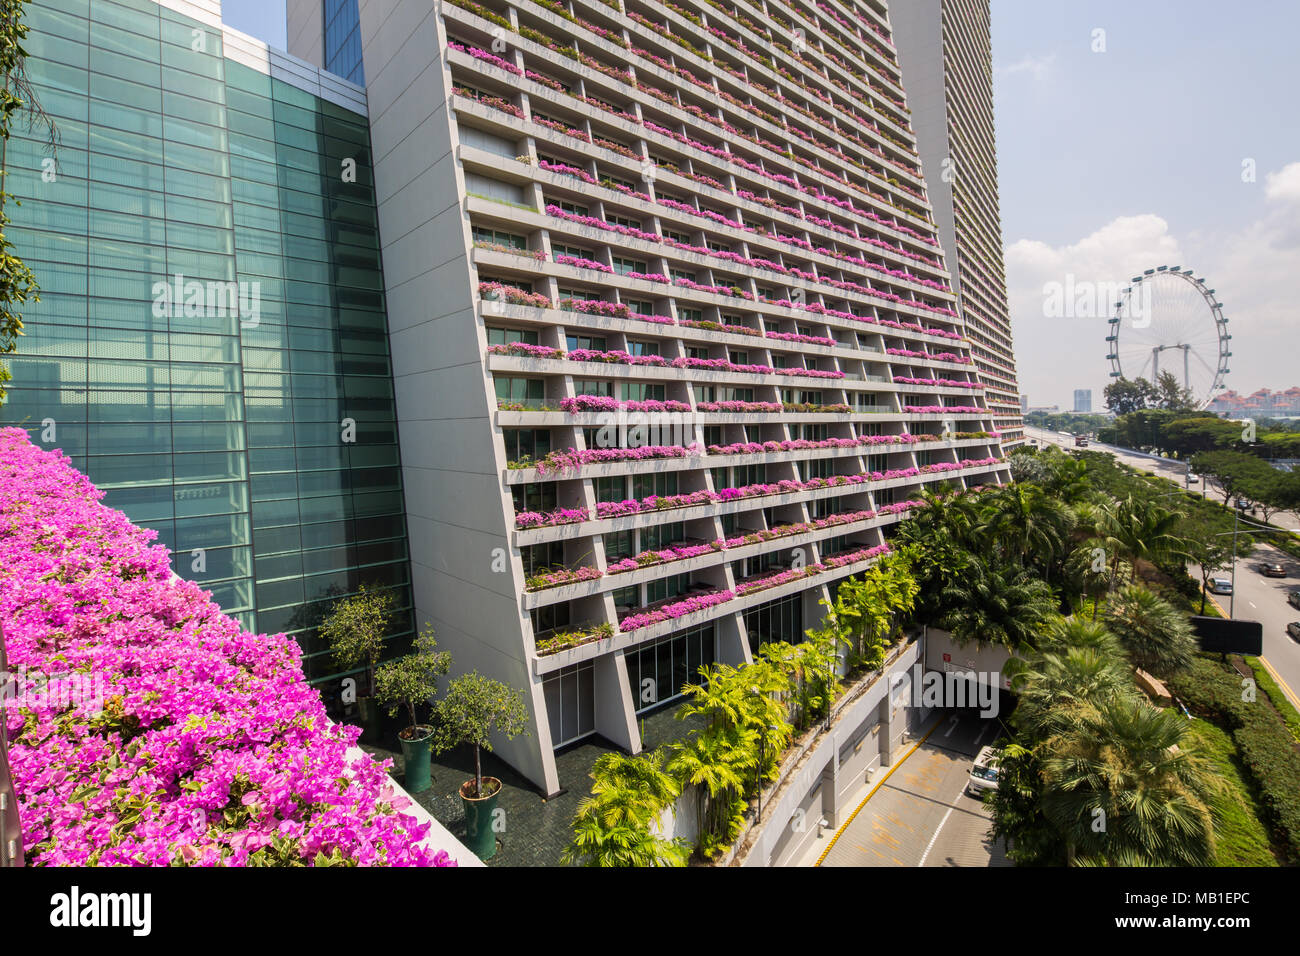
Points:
603	403
553	579
525	350
945	382
536	519
803	444
582	263
795	337
572	459
937	409
201	744
670	612
795	574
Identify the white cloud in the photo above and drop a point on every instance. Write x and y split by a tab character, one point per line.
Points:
1284	185
1037	66
1253	271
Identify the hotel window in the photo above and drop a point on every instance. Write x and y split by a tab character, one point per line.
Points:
536	557
690	315
550	617
717	246
495	236
712	435
681	274
535	496
730	394
697	351
571	702
596	343
524	443
591	386
577	251
664	588
625	221
705	393
738	358
817	468
643	392
780	620
508	336
572	207
619	545
611	489
643	486
681	237
657	672
624	266
521	390
662	536
640	305
814	432
638	347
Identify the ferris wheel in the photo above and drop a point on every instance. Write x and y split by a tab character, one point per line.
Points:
1166	320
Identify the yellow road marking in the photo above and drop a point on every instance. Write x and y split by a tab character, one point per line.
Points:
846	823
1280	682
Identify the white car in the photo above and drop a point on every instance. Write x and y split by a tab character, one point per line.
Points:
1220	585
1193	479
984	773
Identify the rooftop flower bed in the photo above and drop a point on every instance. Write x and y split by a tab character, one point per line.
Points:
196	742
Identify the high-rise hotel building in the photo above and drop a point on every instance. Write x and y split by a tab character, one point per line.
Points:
945	51
650	297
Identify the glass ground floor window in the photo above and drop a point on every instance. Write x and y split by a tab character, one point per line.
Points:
657	671
571	702
780	620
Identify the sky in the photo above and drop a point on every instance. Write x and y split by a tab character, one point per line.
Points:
1170	137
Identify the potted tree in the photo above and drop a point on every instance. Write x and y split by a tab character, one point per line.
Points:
471	709
413	681
355	629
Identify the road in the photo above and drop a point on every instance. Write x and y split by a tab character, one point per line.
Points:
920	814
1258	598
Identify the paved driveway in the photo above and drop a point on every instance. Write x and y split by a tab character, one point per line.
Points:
920	814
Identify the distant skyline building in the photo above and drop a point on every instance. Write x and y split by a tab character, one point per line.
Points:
946	55
1262	403
1024	404
1083	400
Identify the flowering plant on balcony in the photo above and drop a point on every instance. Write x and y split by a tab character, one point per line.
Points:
534	519
615	310
571	460
525	350
617	357
582	263
938	409
513	295
656	319
604	403
575	638
553	579
795	337
537	254
648	559
489	58
709	326
183	739
670	612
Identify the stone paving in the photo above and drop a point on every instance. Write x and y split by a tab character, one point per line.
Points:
536	830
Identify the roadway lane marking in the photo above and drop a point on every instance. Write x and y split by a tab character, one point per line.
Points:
983	731
1252	604
873	791
1277	678
930	846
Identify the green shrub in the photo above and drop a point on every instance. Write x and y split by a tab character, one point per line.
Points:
1262	739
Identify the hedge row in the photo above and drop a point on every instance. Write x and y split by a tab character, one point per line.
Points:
1262	740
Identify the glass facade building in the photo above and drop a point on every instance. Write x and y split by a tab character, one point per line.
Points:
210	346
342	32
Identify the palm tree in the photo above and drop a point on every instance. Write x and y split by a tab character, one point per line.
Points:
1022	522
1121	788
1156	636
1140	530
1077	664
616	825
1005	606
